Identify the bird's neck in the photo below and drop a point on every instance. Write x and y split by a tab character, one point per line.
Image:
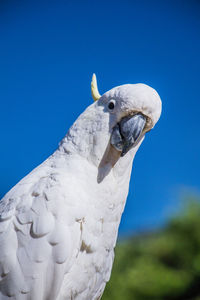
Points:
89	140
89	136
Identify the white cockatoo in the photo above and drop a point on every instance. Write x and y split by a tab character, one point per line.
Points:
59	224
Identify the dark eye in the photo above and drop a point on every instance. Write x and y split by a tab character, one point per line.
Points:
111	105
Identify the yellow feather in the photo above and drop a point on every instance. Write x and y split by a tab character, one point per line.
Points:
94	88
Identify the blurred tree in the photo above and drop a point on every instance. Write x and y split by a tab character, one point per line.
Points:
160	265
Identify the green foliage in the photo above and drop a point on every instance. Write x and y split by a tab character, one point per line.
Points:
160	265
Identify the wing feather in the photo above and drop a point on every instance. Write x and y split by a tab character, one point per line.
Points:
37	245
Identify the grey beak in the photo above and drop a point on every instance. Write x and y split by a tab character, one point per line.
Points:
127	132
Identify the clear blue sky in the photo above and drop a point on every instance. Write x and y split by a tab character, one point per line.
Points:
48	52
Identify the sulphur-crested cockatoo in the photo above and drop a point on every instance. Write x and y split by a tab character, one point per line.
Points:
58	225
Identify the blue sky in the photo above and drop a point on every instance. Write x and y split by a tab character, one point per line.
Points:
48	52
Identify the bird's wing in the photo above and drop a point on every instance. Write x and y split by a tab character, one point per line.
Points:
37	244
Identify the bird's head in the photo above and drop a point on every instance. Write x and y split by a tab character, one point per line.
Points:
133	110
115	124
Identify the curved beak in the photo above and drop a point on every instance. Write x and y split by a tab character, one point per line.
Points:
127	132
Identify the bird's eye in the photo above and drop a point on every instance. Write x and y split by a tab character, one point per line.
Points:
111	105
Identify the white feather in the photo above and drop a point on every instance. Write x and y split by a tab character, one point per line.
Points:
58	225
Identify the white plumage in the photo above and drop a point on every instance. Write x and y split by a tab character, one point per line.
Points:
59	224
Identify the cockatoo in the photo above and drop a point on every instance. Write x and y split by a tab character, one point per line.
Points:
59	224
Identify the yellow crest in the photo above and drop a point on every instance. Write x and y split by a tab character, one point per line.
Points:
94	88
